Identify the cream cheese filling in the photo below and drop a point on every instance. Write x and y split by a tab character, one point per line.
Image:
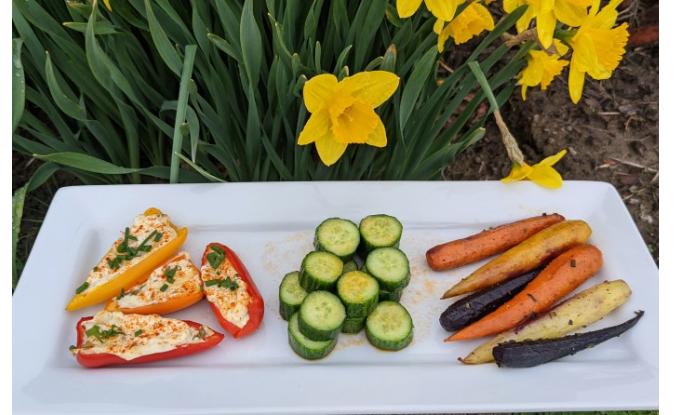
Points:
232	303
155	230
133	335
178	277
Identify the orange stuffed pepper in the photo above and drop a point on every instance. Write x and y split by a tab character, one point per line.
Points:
148	243
171	287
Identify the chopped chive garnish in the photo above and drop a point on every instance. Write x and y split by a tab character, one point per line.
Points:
102	335
164	287
71	347
223	283
121	294
127	253
169	273
230	283
95	269
216	256
82	287
138	332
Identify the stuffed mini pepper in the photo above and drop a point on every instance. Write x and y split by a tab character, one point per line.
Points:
234	298
149	242
173	286
115	338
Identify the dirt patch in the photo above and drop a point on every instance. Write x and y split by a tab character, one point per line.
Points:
611	135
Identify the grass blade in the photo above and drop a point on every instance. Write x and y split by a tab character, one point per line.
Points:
181	109
85	162
18	83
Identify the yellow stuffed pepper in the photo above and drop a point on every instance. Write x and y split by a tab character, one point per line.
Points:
147	244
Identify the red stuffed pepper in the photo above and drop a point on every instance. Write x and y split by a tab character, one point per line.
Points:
115	338
230	290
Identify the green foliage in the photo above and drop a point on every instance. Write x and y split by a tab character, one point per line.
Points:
212	91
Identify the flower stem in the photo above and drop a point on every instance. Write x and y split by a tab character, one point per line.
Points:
509	140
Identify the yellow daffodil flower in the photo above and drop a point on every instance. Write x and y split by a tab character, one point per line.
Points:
106	3
597	47
542	68
541	173
441	9
469	23
344	112
547	13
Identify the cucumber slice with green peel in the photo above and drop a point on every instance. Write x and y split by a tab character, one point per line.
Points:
359	293
320	271
349	266
391	295
389	326
353	325
321	316
380	231
291	295
337	236
390	267
305	347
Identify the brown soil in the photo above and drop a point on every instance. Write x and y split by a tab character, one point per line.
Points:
611	135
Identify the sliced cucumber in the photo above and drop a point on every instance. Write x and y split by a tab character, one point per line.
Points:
359	293
391	295
320	270
390	267
291	295
349	266
337	236
321	315
303	346
353	325
389	326
380	231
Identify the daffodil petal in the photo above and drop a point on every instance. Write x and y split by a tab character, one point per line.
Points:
552	160
443	9
329	149
518	172
107	5
317	126
571	12
407	8
545	176
524	22
545	28
560	47
511	5
318	91
438	26
575	84
373	87
378	138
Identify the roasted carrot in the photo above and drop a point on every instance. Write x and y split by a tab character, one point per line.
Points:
559	278
532	253
487	243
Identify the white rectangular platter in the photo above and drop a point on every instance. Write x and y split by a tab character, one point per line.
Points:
270	226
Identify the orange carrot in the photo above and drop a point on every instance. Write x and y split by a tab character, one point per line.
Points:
559	278
487	243
530	254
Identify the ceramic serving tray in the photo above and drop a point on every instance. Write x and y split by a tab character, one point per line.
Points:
270	226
